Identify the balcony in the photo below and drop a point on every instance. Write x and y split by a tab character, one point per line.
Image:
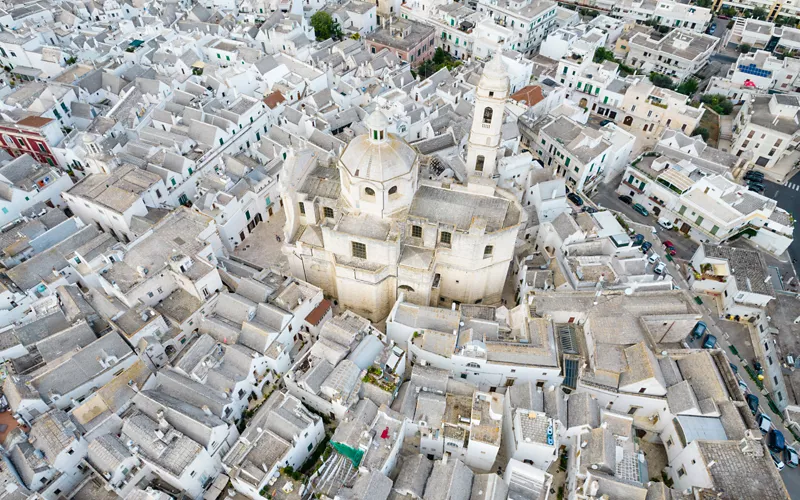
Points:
634	188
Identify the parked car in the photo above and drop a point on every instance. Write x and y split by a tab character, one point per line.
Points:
639	208
638	239
710	342
777	461
752	403
574	198
646	246
589	210
665	223
712	29
764	423
756	187
699	329
753	175
653	258
660	268
775	441
626	199
734	368
606	122
790	457
743	386
757	366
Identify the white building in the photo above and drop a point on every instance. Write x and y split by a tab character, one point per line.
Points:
766	126
343	226
678	54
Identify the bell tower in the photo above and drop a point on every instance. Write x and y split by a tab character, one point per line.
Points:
487	119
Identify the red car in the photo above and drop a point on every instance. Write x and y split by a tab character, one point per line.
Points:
671	251
669	248
668	244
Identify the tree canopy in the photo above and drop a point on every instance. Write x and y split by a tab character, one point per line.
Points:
325	27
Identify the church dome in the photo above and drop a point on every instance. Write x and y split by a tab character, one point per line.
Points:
378	156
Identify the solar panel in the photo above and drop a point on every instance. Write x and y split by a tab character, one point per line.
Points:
752	69
570	372
566	337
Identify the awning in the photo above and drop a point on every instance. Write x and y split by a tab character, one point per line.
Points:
199	65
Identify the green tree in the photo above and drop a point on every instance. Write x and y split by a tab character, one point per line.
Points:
688	87
702	132
325	27
718	102
728	11
744	48
662	81
703	3
759	13
603	54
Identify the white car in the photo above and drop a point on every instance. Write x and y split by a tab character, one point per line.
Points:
660	268
778	462
653	258
665	223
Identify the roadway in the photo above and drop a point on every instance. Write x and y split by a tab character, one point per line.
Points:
788	198
606	197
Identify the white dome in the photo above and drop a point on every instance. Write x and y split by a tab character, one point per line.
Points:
377	121
378	161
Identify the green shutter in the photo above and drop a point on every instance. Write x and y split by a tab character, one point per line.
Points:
714	230
247	214
567	162
682	210
699	220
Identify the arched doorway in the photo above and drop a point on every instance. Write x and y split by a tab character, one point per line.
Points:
584	102
628	121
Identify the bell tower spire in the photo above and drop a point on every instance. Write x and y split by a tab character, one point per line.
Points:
487	119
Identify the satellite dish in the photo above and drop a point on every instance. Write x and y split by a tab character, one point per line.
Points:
628	291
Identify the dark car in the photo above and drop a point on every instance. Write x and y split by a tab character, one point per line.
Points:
590	210
710	342
752	403
756	187
639	208
757	367
638	239
605	122
626	199
753	175
574	198
699	329
712	29
734	368
775	441
646	246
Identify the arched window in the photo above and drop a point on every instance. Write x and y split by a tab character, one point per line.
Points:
393	190
369	191
473	365
487	115
479	163
405	288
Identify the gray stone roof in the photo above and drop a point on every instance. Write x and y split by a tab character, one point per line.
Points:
107	453
450	480
413	475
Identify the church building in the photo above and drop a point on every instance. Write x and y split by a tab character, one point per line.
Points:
370	229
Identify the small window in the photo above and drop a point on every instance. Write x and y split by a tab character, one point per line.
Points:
393	190
446	237
369	191
302	208
328	212
359	250
487	251
681	472
416	231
